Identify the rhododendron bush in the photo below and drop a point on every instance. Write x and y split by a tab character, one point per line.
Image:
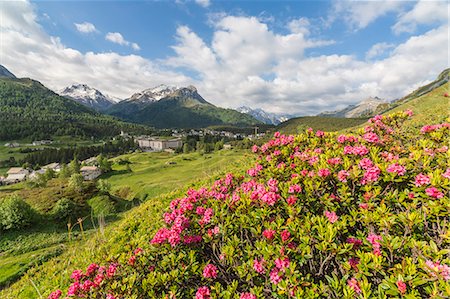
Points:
319	215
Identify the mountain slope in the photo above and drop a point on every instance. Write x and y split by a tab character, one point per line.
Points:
29	109
365	108
327	124
263	116
172	107
87	96
5	73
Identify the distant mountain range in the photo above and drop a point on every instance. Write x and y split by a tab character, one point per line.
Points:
88	96
365	108
263	116
30	110
176	107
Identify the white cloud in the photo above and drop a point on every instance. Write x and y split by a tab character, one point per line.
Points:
203	3
28	51
247	63
85	27
424	12
300	25
117	38
378	49
359	14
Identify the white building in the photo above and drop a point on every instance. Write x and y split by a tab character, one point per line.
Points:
56	167
42	142
16	175
157	145
90	172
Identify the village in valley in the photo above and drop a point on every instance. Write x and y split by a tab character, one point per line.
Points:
90	169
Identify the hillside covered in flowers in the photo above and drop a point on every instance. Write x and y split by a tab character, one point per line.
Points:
319	215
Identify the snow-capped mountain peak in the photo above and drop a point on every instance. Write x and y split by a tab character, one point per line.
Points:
162	91
263	116
88	96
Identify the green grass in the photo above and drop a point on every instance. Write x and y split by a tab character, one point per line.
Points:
44	253
152	174
328	124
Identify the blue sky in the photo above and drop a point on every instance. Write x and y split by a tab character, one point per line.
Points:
301	57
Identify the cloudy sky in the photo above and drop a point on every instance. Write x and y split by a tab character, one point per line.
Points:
297	57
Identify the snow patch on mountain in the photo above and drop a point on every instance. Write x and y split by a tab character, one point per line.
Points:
88	96
263	116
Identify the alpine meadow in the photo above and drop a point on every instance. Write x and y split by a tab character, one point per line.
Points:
224	149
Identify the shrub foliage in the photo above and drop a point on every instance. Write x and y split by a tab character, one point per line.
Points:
15	213
320	215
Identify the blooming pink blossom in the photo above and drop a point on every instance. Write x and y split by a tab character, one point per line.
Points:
274	276
422	179
401	286
332	217
77	275
55	295
396	168
210	271
374	240
343	175
446	174
295	188
291	200
259	265
354	261
354	285
334	161
437	269
203	293
91	269
356	242
371	175
365	163
282	263
323	172
371	137
247	296
285	235
434	192
269	234
320	133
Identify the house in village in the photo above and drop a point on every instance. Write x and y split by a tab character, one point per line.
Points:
16	175
12	144
90	172
34	175
157	145
42	142
56	167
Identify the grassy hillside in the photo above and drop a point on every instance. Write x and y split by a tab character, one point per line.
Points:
29	109
327	124
151	176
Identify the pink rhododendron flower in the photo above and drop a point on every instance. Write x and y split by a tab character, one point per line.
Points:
73	289
295	188
371	137
291	200
320	133
343	175
434	192
409	112
334	161
422	179
364	206
323	172
374	240
203	293
401	286
371	175
285	235
270	198
247	296
259	265
354	261
111	270
138	251
365	163
438	269
282	263
354	285
341	139
254	148
446	174
332	217
210	271
396	168
77	275
55	295
269	234
91	269
274	277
